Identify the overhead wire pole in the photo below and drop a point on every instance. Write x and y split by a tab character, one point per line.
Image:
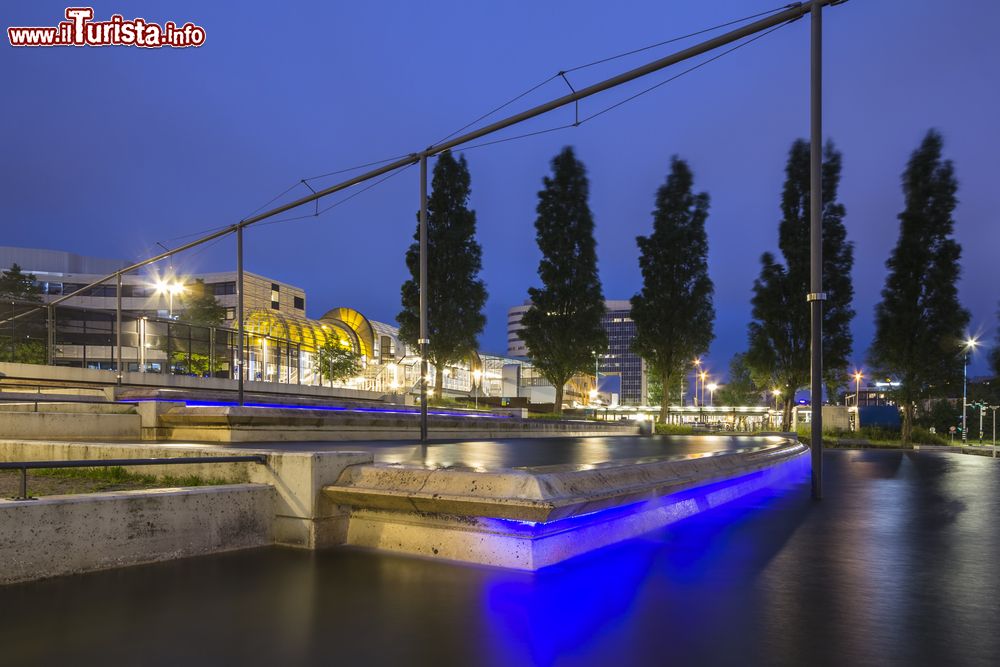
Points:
424	339
816	295
118	327
239	312
791	13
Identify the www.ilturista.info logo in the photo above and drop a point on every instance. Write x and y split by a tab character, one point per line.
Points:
81	30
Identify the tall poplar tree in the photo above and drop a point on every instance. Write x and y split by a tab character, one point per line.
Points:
673	312
562	329
455	293
919	324
779	336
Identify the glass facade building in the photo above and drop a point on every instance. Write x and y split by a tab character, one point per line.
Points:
618	361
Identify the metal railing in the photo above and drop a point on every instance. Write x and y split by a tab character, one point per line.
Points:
25	466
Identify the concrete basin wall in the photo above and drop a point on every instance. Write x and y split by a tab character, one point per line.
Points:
71	425
529	519
222	424
71	534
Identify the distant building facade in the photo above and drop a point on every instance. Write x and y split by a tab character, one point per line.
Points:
618	361
281	344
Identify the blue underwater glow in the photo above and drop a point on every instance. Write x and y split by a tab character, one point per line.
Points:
699	494
582	608
332	408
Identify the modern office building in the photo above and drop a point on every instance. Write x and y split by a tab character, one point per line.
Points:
620	360
516	347
873	394
155	292
619	363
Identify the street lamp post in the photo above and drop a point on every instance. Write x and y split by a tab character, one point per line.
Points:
857	388
711	393
994	409
776	392
697	365
982	409
477	375
970	345
703	376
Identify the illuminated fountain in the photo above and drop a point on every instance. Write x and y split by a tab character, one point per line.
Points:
530	518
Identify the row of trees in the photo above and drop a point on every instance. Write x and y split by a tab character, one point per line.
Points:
563	329
918	322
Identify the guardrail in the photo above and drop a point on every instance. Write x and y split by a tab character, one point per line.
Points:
25	466
37	400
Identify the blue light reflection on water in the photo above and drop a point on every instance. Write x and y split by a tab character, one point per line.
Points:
583	607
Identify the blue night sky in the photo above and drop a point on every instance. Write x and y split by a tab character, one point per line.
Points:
108	150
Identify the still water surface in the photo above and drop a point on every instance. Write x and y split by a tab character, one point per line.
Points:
897	566
532	452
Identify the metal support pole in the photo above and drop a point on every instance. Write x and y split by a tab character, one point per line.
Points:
816	295
13	316
118	328
51	333
981	410
424	340
790	13
965	399
141	325
239	310
995	431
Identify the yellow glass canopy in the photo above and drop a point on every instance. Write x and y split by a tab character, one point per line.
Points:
310	335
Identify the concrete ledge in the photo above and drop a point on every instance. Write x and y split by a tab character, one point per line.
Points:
543	494
303	516
532	518
173	421
135	384
71	534
74	425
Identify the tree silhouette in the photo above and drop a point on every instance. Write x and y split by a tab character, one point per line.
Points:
455	294
673	312
779	335
562	329
919	323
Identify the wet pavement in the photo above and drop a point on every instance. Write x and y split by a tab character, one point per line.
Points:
531	452
897	566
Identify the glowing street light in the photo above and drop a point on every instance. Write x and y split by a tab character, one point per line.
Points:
857	388
776	392
170	289
969	346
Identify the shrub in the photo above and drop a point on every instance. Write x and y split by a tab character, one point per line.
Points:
674	429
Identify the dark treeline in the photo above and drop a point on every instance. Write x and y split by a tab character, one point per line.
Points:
919	321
